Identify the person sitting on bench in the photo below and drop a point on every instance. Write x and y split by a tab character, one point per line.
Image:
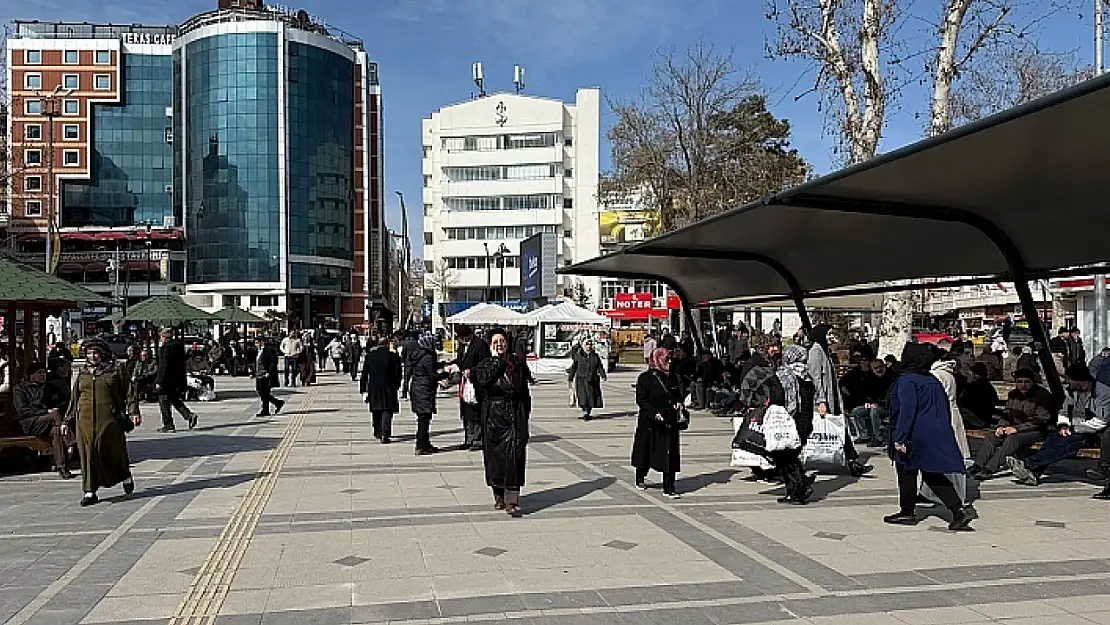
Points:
35	419
1026	418
1083	419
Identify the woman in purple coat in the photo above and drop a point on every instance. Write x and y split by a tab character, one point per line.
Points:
921	439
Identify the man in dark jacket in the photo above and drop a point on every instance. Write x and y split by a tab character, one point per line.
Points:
170	382
472	350
978	399
707	374
409	351
266	377
354	353
36	419
381	379
1026	420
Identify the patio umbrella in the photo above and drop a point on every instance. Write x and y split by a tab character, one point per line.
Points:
234	314
166	310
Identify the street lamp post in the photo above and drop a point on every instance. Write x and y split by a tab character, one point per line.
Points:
51	110
487	293
148	260
499	255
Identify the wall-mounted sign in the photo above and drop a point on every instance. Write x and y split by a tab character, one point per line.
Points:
147	38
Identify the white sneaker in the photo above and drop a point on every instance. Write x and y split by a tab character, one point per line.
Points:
673	495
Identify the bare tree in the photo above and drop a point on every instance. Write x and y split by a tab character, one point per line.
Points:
700	139
440	279
853	46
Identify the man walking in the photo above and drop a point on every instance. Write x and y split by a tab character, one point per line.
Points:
291	348
380	381
266	378
472	350
170	382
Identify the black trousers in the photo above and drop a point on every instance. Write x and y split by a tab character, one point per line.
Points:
423	431
383	423
172	398
266	395
996	448
941	485
668	478
472	433
789	464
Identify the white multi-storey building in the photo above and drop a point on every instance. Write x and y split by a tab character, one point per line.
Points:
498	169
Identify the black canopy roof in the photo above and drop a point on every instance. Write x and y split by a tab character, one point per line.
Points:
1017	195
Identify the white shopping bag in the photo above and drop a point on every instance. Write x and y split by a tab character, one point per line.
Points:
780	430
826	444
959	482
741	458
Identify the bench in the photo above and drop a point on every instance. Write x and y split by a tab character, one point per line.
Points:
12	437
1091	453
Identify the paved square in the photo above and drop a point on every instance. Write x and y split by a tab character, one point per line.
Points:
303	517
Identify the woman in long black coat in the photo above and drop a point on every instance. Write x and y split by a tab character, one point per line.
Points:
427	371
587	371
656	442
506	403
381	379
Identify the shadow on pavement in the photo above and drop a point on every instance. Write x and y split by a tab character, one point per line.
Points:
173	446
224	481
698	482
225	426
544	499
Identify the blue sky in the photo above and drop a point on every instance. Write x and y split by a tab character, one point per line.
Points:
425	48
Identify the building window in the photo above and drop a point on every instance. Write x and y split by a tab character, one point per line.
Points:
71	81
567	141
568	202
427	238
33	208
32	82
568	234
427	209
263	301
103	57
71	132
32	132
428	266
71	57
568	173
169	135
33	57
102	82
71	158
71	107
427	181
32	157
427	151
32	107
32	184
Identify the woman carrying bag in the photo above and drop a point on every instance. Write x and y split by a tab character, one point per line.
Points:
789	422
827	391
661	418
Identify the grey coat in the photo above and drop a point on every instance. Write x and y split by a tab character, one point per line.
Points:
824	379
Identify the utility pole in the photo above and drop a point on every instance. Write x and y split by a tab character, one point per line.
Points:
1099	339
406	264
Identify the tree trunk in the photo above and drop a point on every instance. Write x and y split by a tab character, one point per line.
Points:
896	323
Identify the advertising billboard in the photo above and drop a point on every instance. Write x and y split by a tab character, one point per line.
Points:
537	266
621	227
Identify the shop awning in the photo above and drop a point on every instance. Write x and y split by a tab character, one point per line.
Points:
142	265
1015	196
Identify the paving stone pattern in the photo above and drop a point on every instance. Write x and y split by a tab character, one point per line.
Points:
303	517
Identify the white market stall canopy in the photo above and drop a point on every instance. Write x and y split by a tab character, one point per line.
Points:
567	312
485	314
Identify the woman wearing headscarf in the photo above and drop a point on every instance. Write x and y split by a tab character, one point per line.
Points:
104	407
426	372
587	371
506	403
792	388
943	369
921	439
656	442
826	391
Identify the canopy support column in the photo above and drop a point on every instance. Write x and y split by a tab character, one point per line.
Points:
1002	241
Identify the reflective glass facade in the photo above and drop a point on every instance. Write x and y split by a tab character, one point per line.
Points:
231	180
319	278
320	161
132	167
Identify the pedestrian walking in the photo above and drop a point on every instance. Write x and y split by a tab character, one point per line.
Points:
291	349
473	350
502	381
827	392
381	379
336	351
922	441
655	445
104	410
427	371
170	382
354	354
587	371
266	378
793	389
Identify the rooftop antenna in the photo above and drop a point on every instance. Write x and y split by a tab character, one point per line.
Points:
476	69
518	78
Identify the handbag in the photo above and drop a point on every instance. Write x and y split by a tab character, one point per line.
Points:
779	430
683	423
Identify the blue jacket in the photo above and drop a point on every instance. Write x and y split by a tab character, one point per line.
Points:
919	418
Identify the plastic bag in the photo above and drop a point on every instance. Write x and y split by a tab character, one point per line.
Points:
466	391
779	430
744	457
826	444
689	402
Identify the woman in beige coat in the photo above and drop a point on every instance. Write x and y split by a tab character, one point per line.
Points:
943	370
